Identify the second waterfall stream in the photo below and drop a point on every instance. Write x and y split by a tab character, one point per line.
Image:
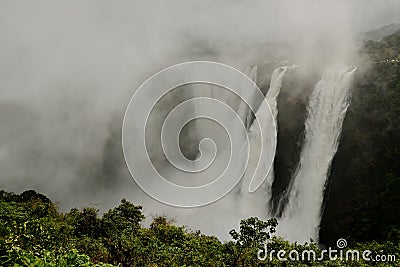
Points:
326	110
256	204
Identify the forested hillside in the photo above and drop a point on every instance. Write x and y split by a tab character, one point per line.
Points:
34	233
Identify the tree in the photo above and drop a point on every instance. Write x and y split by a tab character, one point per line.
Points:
253	233
119	228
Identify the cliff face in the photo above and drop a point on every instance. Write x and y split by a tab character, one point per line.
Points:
292	105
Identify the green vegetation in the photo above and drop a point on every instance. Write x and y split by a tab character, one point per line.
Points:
34	233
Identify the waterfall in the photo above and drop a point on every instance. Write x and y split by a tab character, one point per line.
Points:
241	204
326	111
271	97
257	203
243	111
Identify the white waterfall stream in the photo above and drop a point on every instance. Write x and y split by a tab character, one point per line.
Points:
326	111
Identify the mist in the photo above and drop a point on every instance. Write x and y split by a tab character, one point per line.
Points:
68	70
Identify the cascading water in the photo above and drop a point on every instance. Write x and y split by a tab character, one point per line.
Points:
257	203
326	111
301	218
